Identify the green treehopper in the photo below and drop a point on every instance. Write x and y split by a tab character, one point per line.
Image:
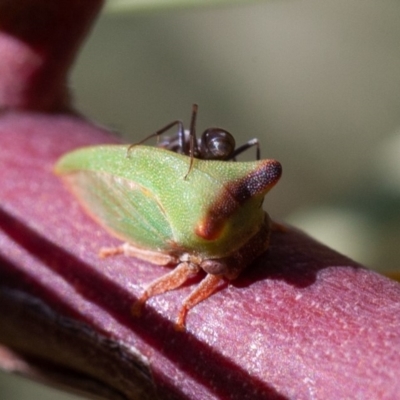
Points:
175	209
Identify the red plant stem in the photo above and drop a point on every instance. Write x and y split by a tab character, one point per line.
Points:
302	322
39	40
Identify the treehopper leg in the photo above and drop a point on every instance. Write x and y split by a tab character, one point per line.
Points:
204	290
165	283
132	251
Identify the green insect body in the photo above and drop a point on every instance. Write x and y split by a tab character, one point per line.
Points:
210	219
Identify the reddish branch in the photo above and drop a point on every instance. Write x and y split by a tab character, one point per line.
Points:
302	322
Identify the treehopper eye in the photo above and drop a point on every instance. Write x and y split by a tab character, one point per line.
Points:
210	219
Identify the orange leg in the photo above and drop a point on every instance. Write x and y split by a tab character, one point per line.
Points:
204	290
111	251
165	283
132	251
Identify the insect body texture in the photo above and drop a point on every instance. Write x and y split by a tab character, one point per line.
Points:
212	219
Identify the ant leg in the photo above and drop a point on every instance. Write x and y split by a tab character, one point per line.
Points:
193	145
180	135
244	147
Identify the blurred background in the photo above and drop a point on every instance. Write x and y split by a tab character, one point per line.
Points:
317	82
